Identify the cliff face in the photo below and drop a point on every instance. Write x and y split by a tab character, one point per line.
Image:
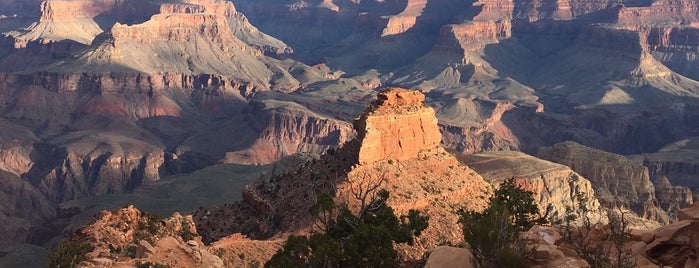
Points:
25	211
673	169
76	20
398	126
63	174
472	35
288	129
66	27
672	198
555	186
617	180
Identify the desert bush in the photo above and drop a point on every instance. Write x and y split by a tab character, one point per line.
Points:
69	253
493	235
365	239
578	228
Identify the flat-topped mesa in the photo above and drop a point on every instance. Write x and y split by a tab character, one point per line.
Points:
397	126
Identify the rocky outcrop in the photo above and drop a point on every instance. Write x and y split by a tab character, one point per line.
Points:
544	242
618	181
554	186
421	176
150	238
672	198
75	20
471	36
406	19
548	248
397	126
673	245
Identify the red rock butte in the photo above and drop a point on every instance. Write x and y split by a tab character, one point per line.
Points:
397	126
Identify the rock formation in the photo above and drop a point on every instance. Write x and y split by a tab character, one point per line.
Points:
618	181
397	126
168	241
555	186
446	256
424	177
673	245
673	170
25	211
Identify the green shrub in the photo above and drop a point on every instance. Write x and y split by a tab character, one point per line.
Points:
68	254
349	240
151	223
186	234
493	234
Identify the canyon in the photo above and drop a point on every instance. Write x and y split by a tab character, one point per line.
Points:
427	179
116	97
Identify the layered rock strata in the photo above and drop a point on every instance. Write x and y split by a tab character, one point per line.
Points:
618	181
397	126
555	186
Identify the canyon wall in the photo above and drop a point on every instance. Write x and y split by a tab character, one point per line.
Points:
618	181
554	186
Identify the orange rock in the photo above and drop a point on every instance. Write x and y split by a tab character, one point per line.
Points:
397	127
690	213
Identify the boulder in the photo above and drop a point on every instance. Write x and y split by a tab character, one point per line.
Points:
452	257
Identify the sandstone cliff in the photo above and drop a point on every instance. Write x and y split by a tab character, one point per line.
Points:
286	128
76	20
618	181
673	170
555	186
396	127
